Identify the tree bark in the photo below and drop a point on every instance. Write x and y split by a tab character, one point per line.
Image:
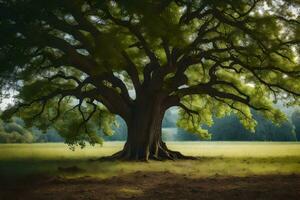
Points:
144	139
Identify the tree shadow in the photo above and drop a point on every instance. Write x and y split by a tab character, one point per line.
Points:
157	185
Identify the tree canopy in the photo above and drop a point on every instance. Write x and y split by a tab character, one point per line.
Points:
75	64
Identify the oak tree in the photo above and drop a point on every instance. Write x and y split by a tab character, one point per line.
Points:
76	64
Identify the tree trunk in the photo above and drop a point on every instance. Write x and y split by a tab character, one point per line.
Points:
144	140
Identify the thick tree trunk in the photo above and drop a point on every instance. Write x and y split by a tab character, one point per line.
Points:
144	139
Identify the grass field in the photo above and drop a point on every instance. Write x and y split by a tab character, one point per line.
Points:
216	158
224	170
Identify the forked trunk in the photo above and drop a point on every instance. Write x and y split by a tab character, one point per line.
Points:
144	139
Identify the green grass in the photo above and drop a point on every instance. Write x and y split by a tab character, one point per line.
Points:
217	158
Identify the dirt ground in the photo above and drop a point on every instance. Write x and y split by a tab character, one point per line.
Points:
155	185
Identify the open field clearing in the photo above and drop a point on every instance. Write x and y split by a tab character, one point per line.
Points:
260	166
222	158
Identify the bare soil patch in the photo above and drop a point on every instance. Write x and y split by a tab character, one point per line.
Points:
154	185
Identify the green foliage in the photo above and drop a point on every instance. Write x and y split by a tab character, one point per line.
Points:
73	127
74	63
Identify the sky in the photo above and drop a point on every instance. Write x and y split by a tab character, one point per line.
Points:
6	101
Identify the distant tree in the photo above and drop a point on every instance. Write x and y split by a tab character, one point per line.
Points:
268	131
14	133
48	136
183	135
296	122
230	129
77	63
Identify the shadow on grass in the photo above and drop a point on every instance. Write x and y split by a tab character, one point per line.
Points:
15	170
156	185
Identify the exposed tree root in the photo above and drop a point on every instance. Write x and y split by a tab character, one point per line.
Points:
162	153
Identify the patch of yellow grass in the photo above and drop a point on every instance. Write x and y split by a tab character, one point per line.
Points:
131	191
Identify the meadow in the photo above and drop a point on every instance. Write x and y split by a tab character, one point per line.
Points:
215	159
243	170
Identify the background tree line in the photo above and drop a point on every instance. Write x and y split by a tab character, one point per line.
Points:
225	129
16	132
